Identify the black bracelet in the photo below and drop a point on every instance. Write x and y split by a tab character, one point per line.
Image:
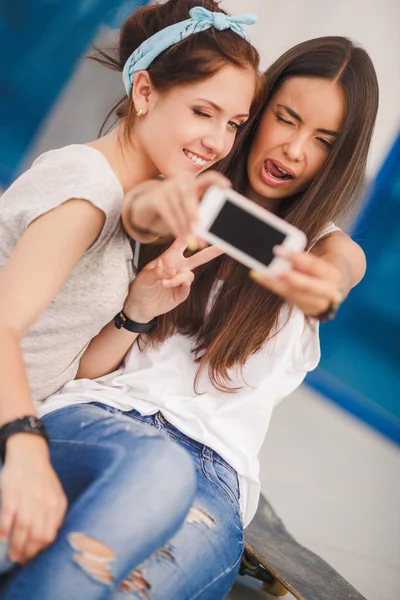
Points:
29	424
330	312
121	320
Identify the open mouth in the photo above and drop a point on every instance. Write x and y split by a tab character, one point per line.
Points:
276	171
198	161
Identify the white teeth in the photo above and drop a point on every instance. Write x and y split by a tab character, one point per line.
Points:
282	170
195	159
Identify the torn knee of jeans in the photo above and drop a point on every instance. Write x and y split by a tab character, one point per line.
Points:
135	582
94	557
165	553
196	515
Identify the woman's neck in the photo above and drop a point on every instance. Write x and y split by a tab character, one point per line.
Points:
130	163
270	204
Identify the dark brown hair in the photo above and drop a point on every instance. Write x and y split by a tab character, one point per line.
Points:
244	315
196	58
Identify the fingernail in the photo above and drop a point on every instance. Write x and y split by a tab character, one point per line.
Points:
159	263
272	274
191	242
255	275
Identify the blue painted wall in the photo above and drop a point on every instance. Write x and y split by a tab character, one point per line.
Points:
40	44
360	366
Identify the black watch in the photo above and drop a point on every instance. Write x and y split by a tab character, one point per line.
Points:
330	312
22	425
121	320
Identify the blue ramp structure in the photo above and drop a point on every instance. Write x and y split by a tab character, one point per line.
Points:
40	44
360	365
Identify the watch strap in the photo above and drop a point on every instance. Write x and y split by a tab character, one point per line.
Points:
28	424
330	312
121	320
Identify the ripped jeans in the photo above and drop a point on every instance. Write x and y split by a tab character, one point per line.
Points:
153	515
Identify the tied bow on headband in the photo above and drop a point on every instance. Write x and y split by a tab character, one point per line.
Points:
200	20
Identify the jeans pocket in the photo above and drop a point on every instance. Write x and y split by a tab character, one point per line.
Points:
228	481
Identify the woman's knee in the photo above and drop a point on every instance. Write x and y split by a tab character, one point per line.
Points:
173	478
162	466
177	471
161	480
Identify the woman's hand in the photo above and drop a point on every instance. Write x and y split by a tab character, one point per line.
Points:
312	284
164	208
165	282
33	503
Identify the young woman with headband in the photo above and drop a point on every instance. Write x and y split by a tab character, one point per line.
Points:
65	272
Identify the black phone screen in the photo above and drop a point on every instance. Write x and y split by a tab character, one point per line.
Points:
246	232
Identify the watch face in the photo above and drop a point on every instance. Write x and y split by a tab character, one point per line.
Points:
118	321
33	423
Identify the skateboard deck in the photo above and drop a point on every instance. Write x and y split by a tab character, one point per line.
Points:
274	557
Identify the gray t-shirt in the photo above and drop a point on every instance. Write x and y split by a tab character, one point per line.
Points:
96	288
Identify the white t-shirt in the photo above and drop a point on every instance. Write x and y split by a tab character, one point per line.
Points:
97	286
232	424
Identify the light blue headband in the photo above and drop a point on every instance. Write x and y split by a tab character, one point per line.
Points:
201	19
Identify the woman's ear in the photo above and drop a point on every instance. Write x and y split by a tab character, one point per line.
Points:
142	90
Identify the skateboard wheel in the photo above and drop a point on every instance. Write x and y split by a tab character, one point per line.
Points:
275	589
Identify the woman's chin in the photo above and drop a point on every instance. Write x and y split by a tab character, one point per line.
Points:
180	169
274	193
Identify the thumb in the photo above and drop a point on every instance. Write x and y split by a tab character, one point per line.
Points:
151	265
182	293
206	180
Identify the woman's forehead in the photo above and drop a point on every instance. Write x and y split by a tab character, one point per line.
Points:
314	100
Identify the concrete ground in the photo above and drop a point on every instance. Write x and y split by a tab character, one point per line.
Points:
336	485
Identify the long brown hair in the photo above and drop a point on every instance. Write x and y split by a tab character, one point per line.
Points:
244	315
194	59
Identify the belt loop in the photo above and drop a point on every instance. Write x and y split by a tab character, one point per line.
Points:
160	420
207	453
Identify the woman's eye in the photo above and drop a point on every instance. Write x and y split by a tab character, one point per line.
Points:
234	125
326	143
282	120
200	113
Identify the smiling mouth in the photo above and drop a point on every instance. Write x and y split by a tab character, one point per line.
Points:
277	172
198	161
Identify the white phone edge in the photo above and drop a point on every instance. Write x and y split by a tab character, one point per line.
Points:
209	208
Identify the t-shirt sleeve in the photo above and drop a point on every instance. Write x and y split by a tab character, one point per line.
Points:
306	351
56	177
305	357
330	228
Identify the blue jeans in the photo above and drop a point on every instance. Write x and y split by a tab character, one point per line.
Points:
153	515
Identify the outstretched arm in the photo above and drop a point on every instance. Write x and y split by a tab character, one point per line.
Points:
320	277
346	255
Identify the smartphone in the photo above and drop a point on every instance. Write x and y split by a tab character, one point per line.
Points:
245	230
